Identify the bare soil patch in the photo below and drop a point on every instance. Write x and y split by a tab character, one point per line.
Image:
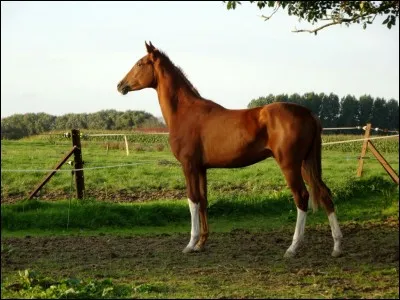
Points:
237	256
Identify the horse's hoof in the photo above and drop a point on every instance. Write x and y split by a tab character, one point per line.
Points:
188	250
336	253
199	248
289	254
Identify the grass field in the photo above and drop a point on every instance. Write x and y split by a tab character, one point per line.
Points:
154	174
124	240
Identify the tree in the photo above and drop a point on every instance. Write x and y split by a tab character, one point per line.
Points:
260	101
14	127
95	120
18	126
332	12
330	109
76	121
349	109
282	98
110	119
124	121
366	103
295	98
313	102
44	122
379	113
393	114
61	122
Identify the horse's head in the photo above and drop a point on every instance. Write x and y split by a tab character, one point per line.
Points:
142	73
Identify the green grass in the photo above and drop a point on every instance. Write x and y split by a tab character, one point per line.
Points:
144	176
259	191
350	200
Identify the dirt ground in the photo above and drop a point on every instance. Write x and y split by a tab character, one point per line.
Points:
231	256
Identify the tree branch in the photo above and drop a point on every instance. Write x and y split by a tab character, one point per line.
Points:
340	21
317	29
275	10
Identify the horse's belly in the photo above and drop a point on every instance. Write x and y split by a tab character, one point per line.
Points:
235	159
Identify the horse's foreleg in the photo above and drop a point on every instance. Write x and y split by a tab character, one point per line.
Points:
203	211
301	196
195	231
193	193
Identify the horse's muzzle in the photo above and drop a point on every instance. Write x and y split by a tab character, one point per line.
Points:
123	88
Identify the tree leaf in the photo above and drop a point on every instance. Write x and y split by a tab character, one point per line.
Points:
386	20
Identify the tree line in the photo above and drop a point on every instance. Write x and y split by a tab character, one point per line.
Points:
22	125
332	111
345	112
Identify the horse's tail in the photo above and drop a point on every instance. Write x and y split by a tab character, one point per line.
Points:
312	171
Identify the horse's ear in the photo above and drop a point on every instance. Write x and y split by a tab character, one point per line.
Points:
150	48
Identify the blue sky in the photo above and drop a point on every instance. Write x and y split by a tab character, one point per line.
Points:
67	57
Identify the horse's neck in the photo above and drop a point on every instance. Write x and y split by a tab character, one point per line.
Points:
173	95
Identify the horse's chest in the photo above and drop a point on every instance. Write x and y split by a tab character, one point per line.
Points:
185	146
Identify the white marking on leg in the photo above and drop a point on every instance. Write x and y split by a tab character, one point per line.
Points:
298	233
195	231
336	234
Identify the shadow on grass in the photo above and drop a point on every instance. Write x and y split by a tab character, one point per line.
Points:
90	214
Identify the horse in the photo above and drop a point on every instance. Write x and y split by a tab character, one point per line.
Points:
204	135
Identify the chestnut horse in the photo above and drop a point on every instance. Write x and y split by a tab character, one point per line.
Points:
204	134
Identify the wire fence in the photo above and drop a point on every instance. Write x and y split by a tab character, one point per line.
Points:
123	179
68	134
377	129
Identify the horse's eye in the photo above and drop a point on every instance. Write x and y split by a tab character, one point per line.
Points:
139	64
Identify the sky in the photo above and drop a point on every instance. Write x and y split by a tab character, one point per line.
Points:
67	57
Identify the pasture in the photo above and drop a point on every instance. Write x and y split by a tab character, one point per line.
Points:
124	240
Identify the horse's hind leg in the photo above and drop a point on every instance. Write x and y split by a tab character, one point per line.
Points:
322	195
333	222
300	194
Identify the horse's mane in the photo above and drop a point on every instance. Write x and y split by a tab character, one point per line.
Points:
180	73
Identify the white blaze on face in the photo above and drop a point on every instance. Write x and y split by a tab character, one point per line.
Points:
195	231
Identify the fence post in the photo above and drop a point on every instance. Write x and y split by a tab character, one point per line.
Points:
79	179
47	178
126	146
363	150
384	163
